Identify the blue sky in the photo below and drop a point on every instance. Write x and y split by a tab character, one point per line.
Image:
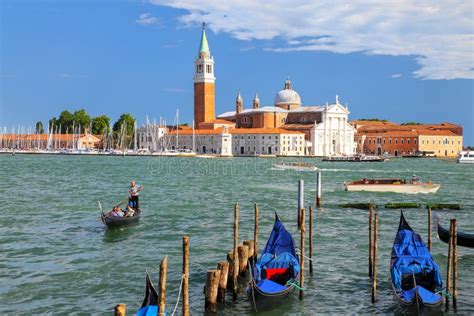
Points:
137	56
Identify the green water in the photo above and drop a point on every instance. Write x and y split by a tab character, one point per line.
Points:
56	256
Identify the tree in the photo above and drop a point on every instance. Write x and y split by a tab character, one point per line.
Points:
82	119
411	123
39	128
52	123
128	121
65	120
100	124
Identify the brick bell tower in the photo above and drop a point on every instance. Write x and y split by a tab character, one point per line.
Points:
204	83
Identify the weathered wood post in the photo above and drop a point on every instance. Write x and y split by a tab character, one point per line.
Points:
120	310
449	267
303	233
255	234
222	266
250	244
429	228
211	289
455	263
318	189
235	262
185	276
300	200
243	259
162	291
310	240
374	278
370	240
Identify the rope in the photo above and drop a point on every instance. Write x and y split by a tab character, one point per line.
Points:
298	252
295	285
445	294
179	294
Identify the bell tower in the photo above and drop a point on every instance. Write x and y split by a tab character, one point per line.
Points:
204	107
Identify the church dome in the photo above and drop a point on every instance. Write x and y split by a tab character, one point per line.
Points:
287	97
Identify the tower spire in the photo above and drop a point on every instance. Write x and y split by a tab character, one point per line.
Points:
204	46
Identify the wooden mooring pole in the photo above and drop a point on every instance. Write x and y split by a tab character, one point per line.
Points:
370	240
222	266
211	289
449	267
375	251
120	310
255	235
185	276
455	263
250	244
235	262
303	233
429	228
162	284
300	200
243	259
318	189
310	240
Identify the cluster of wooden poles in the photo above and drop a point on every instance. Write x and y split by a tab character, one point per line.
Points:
228	272
452	267
120	309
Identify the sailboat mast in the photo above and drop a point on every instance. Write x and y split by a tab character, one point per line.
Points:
177	128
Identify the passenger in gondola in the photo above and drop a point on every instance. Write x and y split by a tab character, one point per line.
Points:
116	212
130	211
134	194
415	179
366	181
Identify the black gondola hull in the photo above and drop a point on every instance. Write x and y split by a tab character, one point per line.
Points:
264	301
463	239
117	222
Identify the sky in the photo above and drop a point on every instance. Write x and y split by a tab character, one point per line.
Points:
396	60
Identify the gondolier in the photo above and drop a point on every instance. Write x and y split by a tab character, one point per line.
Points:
134	194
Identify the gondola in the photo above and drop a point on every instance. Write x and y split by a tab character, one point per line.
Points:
463	239
415	276
150	302
115	222
275	274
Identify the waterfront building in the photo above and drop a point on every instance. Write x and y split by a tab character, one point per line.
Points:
49	141
383	137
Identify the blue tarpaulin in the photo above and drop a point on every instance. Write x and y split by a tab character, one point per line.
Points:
280	241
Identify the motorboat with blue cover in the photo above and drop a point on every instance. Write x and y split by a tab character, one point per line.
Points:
275	274
150	302
415	276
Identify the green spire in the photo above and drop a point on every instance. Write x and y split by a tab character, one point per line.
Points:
204	47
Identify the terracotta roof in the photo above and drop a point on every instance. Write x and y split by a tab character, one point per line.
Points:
262	131
199	132
298	126
406	133
43	137
437	132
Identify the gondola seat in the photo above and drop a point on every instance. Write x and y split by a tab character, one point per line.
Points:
268	286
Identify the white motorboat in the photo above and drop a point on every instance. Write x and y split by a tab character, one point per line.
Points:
391	185
465	156
299	166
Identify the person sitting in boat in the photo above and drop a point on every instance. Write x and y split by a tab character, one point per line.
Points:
366	181
415	179
116	212
130	211
134	194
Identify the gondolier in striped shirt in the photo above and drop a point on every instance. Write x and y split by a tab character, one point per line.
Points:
134	194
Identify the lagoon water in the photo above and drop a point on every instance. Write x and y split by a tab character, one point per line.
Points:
56	256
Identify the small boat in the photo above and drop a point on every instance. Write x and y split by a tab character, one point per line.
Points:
275	274
299	166
114	222
204	156
463	239
355	158
466	156
150	302
415	276
391	185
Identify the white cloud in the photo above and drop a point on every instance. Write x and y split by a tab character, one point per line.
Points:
146	19
439	35
396	75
